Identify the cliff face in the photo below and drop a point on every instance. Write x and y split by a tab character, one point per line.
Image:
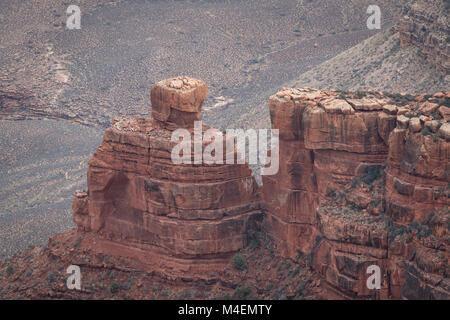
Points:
363	180
172	218
426	26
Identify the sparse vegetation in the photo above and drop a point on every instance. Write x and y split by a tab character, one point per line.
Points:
239	262
373	174
243	292
114	287
77	242
295	272
51	276
254	239
9	270
423	231
360	94
394	232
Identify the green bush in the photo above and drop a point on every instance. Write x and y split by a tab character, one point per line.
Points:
253	239
373	174
114	287
10	270
360	94
394	232
239	262
341	96
243	292
423	231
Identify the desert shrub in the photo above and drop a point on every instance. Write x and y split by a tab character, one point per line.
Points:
239	262
125	286
435	116
399	98
394	232
51	276
330	192
428	220
114	287
10	270
341	96
243	292
77	242
253	239
360	94
373	174
445	103
423	231
226	297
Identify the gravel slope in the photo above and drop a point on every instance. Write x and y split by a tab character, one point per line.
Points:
42	163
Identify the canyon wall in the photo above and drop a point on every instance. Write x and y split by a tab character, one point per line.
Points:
363	181
426	25
180	219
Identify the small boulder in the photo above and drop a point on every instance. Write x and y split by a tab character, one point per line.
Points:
415	125
402	122
390	109
432	125
444	131
444	112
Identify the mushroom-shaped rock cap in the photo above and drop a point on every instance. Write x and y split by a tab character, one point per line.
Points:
178	100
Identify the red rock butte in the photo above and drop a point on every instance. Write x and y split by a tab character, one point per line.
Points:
180	220
363	180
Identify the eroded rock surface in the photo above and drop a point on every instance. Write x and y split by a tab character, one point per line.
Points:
426	25
177	218
363	180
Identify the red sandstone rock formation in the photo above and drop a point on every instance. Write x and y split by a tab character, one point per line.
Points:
331	199
178	219
363	180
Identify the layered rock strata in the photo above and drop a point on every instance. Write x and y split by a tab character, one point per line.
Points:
427	26
180	219
363	181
